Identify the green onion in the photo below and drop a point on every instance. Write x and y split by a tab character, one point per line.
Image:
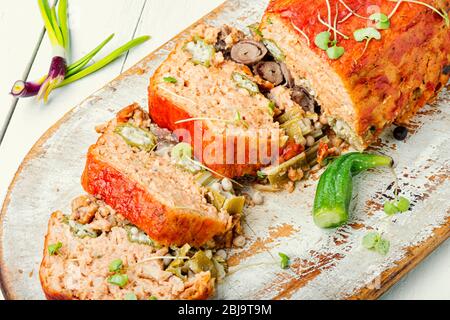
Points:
80	64
105	61
170	80
115	265
285	260
119	280
53	249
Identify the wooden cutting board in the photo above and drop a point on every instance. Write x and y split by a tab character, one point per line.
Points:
325	264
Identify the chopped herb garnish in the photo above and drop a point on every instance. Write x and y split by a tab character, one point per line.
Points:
322	40
373	241
170	80
53	249
335	52
240	120
381	20
115	265
130	296
119	280
367	34
285	260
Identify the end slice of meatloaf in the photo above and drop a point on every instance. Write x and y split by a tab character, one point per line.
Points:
149	190
366	89
215	104
95	254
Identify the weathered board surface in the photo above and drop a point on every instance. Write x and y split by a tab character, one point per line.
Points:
325	264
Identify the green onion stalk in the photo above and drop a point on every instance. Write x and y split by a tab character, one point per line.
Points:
60	73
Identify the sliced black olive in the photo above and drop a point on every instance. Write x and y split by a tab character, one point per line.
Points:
446	70
303	98
289	80
270	71
400	133
248	52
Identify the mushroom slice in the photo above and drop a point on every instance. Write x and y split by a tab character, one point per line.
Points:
270	71
248	52
303	98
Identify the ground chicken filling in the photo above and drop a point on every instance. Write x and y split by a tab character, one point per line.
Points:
245	80
96	254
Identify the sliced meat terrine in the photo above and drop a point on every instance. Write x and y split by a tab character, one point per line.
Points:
95	254
142	179
364	86
221	90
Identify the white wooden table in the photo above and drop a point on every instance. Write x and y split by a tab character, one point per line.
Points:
26	53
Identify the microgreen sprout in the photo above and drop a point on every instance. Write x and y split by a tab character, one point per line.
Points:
335	52
373	241
366	34
322	40
440	12
170	80
308	42
381	21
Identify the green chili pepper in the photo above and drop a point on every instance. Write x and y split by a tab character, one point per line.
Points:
334	192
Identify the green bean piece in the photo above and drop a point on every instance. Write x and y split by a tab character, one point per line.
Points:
244	82
202	53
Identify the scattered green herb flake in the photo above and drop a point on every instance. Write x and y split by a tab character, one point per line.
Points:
115	265
170	80
269	21
153	298
370	240
366	34
390	208
335	52
130	296
381	21
322	40
53	249
383	246
285	260
403	204
119	280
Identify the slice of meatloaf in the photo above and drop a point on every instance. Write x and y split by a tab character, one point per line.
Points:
147	188
95	254
201	85
365	89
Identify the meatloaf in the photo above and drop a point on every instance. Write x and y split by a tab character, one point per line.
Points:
373	84
126	170
95	254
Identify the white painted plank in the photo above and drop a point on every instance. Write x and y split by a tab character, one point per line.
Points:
165	19
20	28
